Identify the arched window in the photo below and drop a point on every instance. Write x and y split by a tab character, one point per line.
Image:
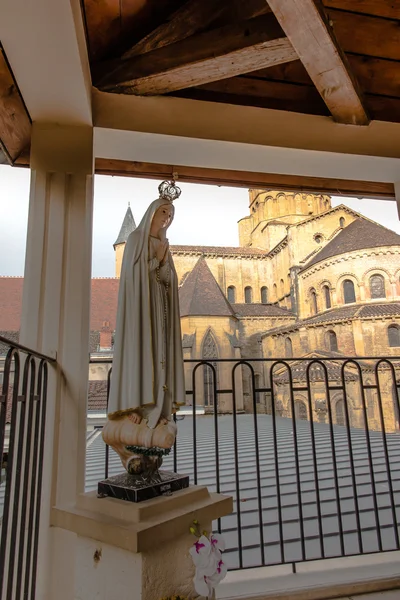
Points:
300	410
341	222
282	285
339	412
248	295
314	304
377	286
332	341
394	336
288	348
349	294
232	294
209	352
275	288
264	295
327	296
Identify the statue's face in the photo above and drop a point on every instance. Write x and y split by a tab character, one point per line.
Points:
162	218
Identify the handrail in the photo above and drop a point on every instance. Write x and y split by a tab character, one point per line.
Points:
25	349
393	357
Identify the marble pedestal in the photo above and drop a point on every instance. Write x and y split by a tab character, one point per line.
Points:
134	488
137	551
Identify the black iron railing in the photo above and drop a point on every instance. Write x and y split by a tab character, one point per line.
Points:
308	448
22	430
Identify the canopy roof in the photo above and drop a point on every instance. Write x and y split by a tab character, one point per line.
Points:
281	54
165	69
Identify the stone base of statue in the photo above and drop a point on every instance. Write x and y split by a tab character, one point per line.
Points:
136	488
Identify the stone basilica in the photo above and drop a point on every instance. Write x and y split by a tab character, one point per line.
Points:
307	280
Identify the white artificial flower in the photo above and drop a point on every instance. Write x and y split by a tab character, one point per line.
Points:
210	568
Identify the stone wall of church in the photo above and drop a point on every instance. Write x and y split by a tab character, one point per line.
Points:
279	209
224	331
238	272
313	233
356	266
375	337
119	254
304	239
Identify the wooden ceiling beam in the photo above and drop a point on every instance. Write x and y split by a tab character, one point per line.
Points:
306	26
245	179
15	124
376	190
193	16
225	52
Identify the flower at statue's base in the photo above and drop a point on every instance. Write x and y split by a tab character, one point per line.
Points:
210	568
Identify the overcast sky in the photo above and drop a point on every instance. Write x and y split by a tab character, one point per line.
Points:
205	215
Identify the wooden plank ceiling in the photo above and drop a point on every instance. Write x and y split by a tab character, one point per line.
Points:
15	124
329	57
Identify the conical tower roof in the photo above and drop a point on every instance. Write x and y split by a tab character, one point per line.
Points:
201	295
127	227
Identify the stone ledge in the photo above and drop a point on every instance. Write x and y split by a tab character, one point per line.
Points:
140	528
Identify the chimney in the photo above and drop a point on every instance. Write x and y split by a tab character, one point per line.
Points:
105	337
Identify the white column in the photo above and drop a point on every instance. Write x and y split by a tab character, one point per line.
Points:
56	316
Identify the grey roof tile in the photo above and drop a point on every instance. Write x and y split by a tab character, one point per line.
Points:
200	294
128	225
219	250
261	310
359	235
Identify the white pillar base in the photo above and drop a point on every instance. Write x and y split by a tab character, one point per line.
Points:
127	551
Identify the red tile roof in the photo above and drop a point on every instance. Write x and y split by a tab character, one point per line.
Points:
104	303
10	303
103	308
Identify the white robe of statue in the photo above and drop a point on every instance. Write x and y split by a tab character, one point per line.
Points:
147	370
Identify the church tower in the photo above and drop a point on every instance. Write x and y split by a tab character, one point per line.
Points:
128	225
271	212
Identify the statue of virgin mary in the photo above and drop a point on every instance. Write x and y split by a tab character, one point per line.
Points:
147	382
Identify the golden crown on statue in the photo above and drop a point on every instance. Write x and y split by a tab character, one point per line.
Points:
169	191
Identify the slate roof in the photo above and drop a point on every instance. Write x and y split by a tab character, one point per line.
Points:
352	311
97	396
359	235
261	310
128	225
220	250
379	310
200	294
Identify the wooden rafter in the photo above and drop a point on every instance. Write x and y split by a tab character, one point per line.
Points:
193	16
306	27
218	54
15	124
231	178
245	179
